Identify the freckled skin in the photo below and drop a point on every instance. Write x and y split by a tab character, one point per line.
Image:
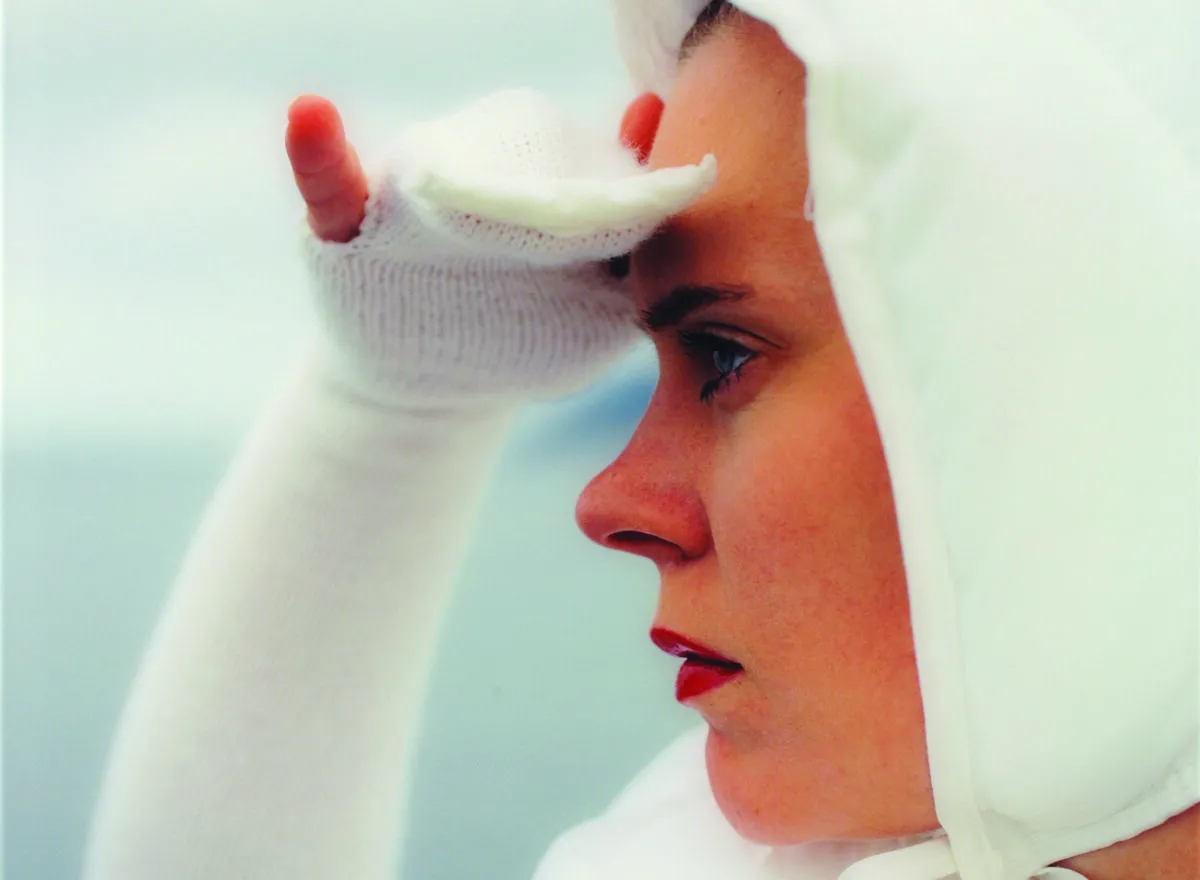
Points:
769	512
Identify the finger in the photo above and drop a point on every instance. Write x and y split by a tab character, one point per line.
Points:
326	168
338	215
338	220
341	179
640	124
315	137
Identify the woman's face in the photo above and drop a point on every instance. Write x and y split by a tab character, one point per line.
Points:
768	508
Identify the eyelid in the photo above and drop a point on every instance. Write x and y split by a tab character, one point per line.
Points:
737	333
713	332
726	333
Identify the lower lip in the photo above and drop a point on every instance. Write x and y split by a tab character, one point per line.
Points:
697	678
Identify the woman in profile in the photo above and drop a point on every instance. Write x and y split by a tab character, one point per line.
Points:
919	475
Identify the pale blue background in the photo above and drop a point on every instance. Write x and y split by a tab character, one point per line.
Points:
153	296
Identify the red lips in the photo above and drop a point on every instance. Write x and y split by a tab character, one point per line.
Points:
681	646
703	670
698	677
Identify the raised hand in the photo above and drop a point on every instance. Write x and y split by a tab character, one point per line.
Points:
480	266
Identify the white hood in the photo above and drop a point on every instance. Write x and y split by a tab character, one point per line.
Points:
1007	199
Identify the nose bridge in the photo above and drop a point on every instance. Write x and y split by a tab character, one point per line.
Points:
662	434
663	454
647	501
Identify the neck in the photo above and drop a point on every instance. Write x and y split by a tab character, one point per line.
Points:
1170	851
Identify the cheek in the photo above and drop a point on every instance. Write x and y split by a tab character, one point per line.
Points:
813	594
804	526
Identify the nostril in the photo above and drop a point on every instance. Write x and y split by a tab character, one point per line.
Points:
660	551
631	538
641	544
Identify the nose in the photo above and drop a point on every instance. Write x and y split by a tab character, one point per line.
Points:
645	504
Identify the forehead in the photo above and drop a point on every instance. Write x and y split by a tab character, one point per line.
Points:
739	96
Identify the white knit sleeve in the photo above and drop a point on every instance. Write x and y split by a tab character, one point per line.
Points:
270	728
268	733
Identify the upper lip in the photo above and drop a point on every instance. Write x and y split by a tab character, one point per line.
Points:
681	646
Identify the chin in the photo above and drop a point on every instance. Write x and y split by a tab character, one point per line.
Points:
780	797
747	788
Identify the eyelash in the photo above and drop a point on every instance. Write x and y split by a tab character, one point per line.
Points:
702	347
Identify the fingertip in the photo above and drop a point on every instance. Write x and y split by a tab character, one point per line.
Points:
315	138
303	107
640	124
299	103
311	116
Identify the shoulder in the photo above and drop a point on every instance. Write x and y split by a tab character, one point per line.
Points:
664	824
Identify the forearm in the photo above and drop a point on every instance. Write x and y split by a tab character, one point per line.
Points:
271	724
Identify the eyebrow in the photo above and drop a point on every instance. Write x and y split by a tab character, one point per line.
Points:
685	299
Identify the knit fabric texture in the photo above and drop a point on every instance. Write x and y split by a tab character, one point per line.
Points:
482	266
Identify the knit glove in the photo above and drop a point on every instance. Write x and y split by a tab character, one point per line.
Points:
482	269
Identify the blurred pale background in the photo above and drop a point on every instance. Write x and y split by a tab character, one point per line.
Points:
154	294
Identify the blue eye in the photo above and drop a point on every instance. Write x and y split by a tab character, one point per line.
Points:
724	355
